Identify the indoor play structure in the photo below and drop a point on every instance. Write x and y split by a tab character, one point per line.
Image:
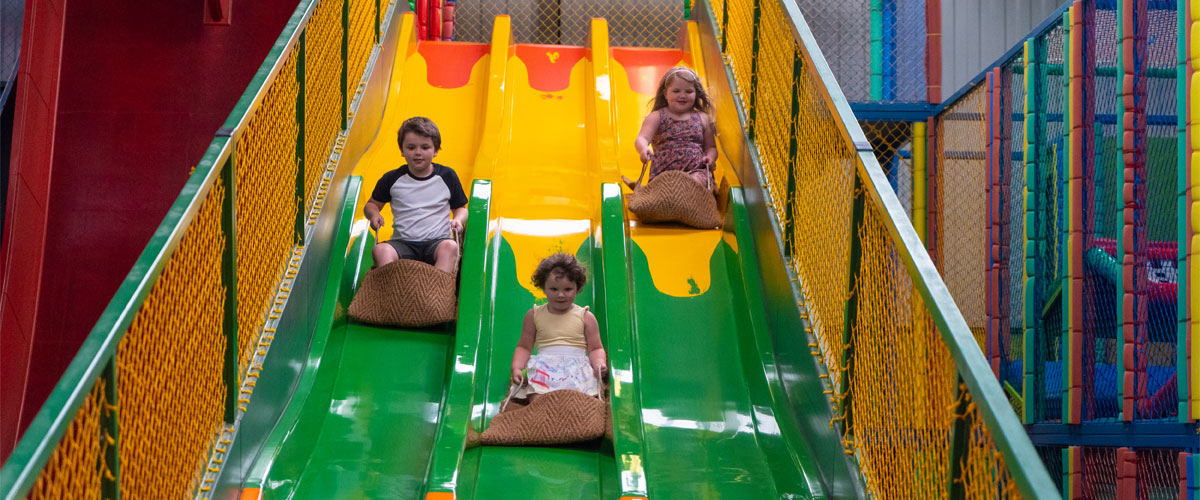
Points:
809	348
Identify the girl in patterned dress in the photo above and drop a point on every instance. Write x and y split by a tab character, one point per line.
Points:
566	336
678	132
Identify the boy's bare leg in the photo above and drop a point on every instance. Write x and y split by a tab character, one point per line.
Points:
384	254
446	256
532	396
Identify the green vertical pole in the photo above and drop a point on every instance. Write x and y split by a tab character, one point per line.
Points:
1035	234
1181	217
876	50
960	436
1065	335
850	313
301	163
378	20
724	26
751	117
793	150
687	10
229	280
110	482
345	63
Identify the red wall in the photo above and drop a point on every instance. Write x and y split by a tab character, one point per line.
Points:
141	90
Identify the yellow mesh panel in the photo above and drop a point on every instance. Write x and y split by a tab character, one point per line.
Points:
361	41
902	390
820	213
739	51
984	473
76	467
774	93
322	96
266	171
170	365
961	207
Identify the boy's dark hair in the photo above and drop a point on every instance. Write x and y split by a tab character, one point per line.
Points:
423	127
560	262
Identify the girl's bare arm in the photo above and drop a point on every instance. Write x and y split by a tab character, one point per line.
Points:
596	354
645	136
524	347
710	142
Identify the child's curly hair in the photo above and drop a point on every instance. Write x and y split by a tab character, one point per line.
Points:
560	262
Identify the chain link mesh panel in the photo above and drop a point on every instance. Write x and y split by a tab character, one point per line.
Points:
12	14
876	48
322	97
170	366
1051	154
1012	301
631	23
1101	343
892	142
1052	456
76	467
266	206
1099	474
961	205
1158	474
1157	353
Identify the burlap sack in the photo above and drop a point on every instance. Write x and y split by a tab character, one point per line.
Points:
406	293
558	417
673	196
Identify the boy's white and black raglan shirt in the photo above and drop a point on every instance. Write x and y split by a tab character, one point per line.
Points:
420	205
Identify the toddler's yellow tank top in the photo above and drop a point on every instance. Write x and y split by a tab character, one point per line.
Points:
559	329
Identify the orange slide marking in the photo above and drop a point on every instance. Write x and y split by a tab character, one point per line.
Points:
251	494
439	495
644	67
549	66
449	64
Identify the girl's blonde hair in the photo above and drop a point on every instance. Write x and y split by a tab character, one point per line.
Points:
702	103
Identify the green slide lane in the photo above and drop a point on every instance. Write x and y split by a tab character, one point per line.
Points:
583	471
363	419
707	387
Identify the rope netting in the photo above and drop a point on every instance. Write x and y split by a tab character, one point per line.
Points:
266	207
903	389
76	468
631	23
170	366
322	97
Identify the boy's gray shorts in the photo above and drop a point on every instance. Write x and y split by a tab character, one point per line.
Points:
424	251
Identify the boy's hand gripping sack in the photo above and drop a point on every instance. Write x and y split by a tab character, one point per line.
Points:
673	196
405	293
